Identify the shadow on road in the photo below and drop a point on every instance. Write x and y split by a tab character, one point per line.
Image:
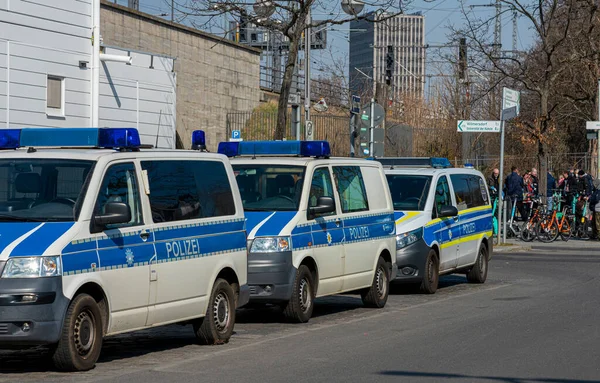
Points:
434	375
410	289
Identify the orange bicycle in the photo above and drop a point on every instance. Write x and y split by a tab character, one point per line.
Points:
528	233
551	226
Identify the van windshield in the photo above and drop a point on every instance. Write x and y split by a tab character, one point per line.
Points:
409	192
266	187
42	190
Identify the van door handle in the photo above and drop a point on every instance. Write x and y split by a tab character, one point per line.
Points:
456	218
338	222
144	235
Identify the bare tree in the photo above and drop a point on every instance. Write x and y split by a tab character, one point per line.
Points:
537	72
290	18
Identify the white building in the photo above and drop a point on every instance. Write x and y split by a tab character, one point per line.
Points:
53	75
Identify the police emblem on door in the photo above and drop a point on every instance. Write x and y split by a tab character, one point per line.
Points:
129	257
329	239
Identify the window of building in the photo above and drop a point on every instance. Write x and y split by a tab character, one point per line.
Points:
184	190
351	188
55	96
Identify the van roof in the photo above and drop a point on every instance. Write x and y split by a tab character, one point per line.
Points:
430	171
96	154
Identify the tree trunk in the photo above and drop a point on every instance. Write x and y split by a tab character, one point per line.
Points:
542	150
288	77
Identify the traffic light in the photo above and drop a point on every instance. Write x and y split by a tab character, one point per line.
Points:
462	58
243	28
389	65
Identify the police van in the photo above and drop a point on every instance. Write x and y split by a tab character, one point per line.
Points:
316	225
98	237
443	220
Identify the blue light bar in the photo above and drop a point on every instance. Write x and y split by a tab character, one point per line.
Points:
198	140
421	162
112	138
276	148
10	138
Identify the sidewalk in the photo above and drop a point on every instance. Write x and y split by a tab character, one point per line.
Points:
518	246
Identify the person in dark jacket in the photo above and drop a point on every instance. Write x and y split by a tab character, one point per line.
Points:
595	208
493	182
550	187
514	190
584	184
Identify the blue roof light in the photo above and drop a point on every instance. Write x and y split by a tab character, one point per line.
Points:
230	149
113	138
275	148
10	138
198	140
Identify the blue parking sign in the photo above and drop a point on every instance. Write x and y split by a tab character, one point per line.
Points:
236	135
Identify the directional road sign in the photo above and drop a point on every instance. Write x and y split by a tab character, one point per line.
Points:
511	98
478	126
592	125
509	113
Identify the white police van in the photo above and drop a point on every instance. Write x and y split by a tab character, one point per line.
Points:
443	220
316	226
98	237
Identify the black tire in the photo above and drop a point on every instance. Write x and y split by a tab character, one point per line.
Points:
300	306
431	274
217	325
81	340
547	235
479	271
376	296
566	233
528	232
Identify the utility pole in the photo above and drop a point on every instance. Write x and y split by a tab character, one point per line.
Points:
308	132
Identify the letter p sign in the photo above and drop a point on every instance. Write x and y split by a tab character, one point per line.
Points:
236	135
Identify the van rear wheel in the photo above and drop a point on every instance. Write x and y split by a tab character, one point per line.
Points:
217	326
81	341
376	296
300	306
478	273
431	274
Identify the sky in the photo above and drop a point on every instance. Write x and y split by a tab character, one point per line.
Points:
439	16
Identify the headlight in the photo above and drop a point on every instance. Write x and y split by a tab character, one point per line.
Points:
406	239
32	267
271	244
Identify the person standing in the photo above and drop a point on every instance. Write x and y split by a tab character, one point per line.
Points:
595	207
550	187
534	187
493	182
514	190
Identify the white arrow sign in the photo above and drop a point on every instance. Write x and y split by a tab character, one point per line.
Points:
478	126
592	125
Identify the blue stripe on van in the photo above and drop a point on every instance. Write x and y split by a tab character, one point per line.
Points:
41	239
275	224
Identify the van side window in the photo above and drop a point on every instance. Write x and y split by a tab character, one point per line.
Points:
120	185
182	190
351	188
320	186
470	191
442	194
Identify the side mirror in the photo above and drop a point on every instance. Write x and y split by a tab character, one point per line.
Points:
447	211
114	213
325	205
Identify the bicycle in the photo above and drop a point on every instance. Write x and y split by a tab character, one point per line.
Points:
513	230
528	232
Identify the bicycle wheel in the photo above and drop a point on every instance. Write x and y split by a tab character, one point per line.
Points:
583	229
547	231
566	232
528	232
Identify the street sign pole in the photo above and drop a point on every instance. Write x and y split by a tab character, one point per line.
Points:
372	128
598	139
500	185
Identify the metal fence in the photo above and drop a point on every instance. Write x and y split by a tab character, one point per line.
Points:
261	126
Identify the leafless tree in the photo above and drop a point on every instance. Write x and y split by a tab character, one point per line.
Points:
538	71
288	17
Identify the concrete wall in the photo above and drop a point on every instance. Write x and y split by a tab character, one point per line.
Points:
213	76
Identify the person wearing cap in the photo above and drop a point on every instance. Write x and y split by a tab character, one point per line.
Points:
584	183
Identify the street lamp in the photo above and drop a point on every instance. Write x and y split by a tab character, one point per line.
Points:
353	7
264	8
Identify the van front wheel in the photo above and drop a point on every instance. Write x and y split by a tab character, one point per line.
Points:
300	306
376	296
217	326
81	341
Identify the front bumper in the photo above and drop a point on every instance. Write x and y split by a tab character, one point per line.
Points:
411	262
244	296
43	317
271	277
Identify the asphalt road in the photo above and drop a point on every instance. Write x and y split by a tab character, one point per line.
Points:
537	319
